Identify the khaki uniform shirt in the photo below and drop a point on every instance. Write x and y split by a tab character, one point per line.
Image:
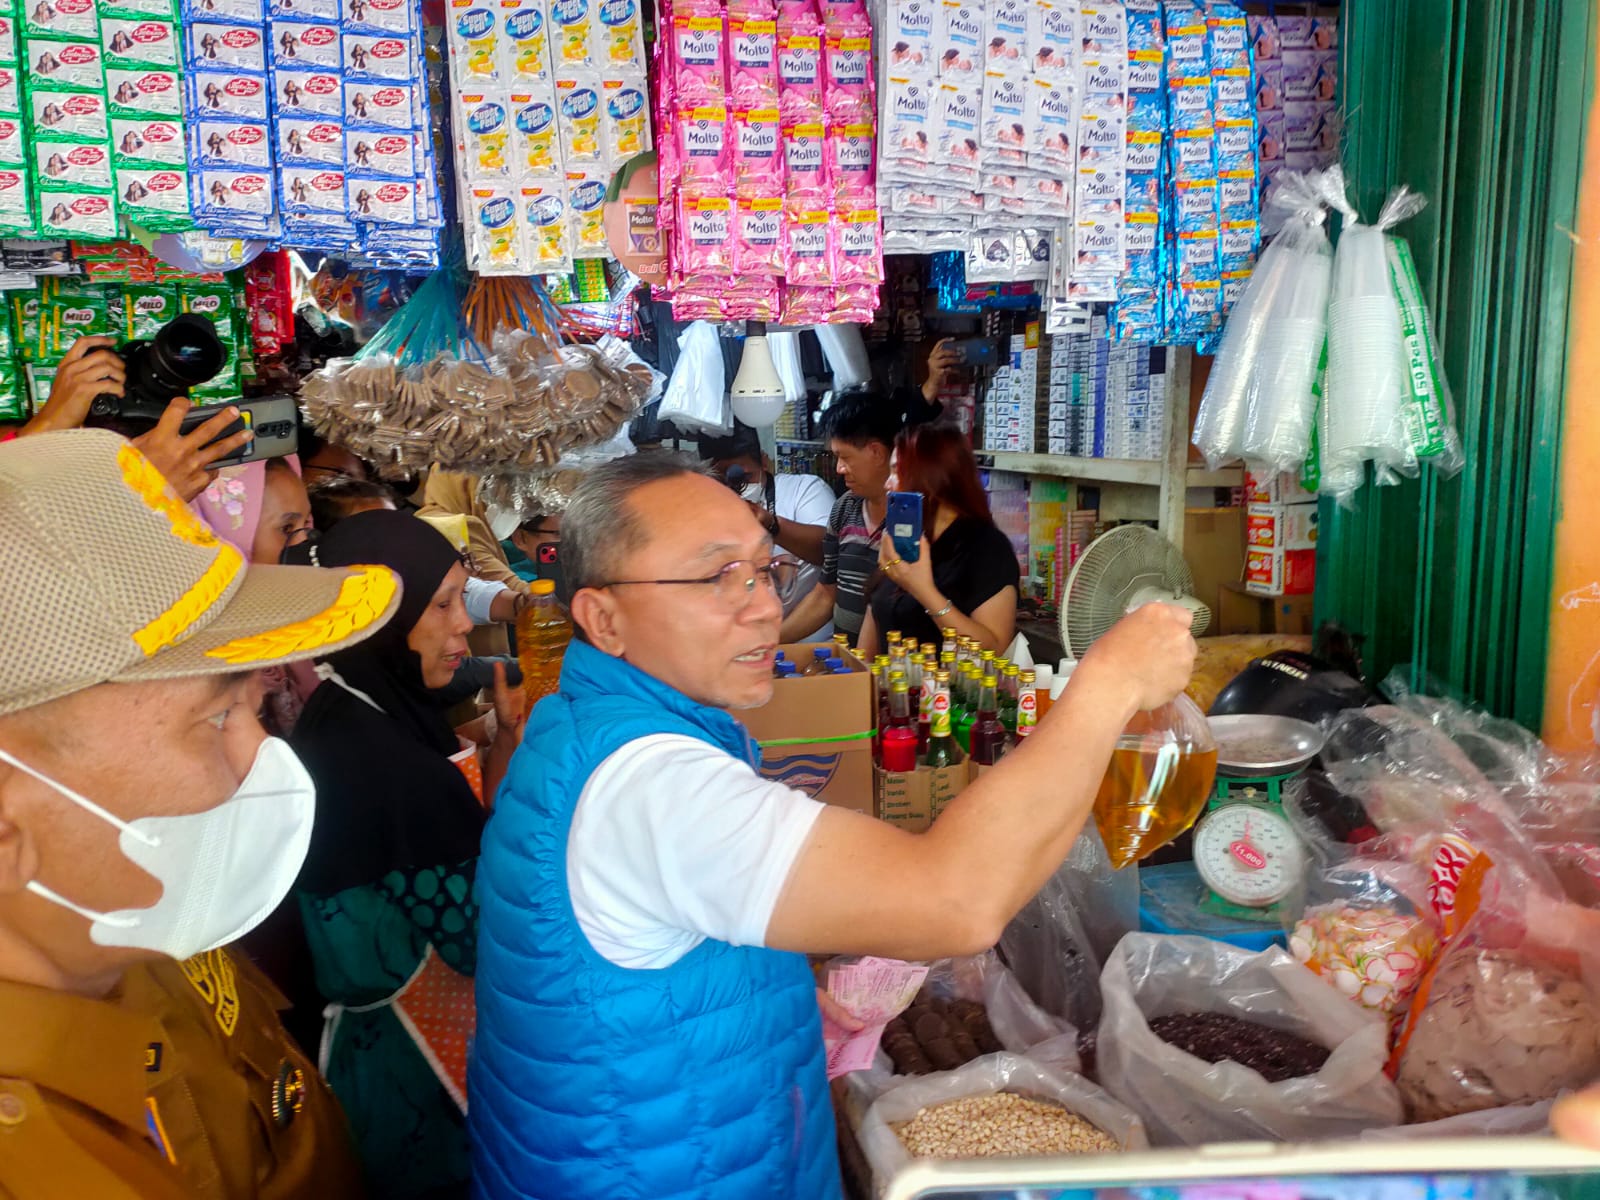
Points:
183	1083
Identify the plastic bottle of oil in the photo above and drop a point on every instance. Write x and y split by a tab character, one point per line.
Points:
543	632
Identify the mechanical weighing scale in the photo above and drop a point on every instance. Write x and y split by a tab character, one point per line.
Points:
1247	857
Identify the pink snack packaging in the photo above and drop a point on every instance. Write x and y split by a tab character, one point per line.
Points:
703	151
806	175
851	156
699	55
758	234
705	235
809	247
859	254
807	306
757	154
800	71
753	62
847	62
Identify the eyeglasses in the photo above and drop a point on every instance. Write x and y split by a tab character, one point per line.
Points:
735	584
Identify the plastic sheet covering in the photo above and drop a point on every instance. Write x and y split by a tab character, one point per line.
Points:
696	399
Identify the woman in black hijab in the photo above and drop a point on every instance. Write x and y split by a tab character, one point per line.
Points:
386	893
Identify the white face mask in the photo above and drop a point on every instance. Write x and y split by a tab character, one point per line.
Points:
754	493
503	522
222	871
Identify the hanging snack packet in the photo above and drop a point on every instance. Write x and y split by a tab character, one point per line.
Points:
572	36
224	47
475	32
810	246
758	236
578	114
703	150
494	233
626	119
537	149
847	67
806	169
757	159
61	66
144	92
806	305
527	47
621	36
231	94
313	47
699	76
586	191
705	227
753	62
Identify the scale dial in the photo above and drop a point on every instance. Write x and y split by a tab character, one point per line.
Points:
1248	855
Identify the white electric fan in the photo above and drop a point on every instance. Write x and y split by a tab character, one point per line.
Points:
1128	566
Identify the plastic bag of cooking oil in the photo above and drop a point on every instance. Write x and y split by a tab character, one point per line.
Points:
1160	776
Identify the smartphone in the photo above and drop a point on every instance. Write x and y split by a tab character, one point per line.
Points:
905	524
273	420
548	560
977	352
1518	1168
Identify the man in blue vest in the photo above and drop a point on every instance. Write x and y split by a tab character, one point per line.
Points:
647	1024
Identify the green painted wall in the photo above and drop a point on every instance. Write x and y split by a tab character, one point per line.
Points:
1478	104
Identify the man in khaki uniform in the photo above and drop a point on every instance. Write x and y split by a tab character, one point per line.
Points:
146	821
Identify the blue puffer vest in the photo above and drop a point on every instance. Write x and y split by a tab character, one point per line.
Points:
704	1079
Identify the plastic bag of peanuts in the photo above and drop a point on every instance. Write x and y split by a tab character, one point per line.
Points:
999	1105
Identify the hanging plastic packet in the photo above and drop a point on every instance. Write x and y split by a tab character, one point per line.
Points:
1103	60
704	151
381	199
908	129
958	110
393	155
475	32
757	155
800	72
77	213
298	44
699	77
850	155
1430	421
1051	122
536	148
494	232
1006	36
572	36
859	258
1005	106
620	36
233	144
313	194
910	39
391	105
548	228
958	42
312	94
308	142
526	47
155	198
377	58
55	65
758	236
753	62
847	68
806	173
1367	362
486	136
586	198
578	113
806	305
809	247
69	116
136	92
1053	39
231	94
225	47
626	118
245	198
706	228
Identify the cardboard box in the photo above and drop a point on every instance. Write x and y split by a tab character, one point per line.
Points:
816	733
1282	526
1283	488
913	800
1213	546
1273	572
1245	612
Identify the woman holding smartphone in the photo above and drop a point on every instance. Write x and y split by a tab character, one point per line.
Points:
965	576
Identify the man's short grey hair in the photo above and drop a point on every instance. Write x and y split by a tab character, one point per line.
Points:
600	527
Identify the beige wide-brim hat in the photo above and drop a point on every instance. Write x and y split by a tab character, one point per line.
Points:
106	575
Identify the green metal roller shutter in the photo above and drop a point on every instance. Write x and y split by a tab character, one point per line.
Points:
1480	105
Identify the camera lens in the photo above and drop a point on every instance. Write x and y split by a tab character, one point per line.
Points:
186	351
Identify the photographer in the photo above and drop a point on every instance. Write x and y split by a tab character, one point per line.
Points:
93	368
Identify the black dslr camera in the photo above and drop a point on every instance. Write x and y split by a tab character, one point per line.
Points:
183	354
